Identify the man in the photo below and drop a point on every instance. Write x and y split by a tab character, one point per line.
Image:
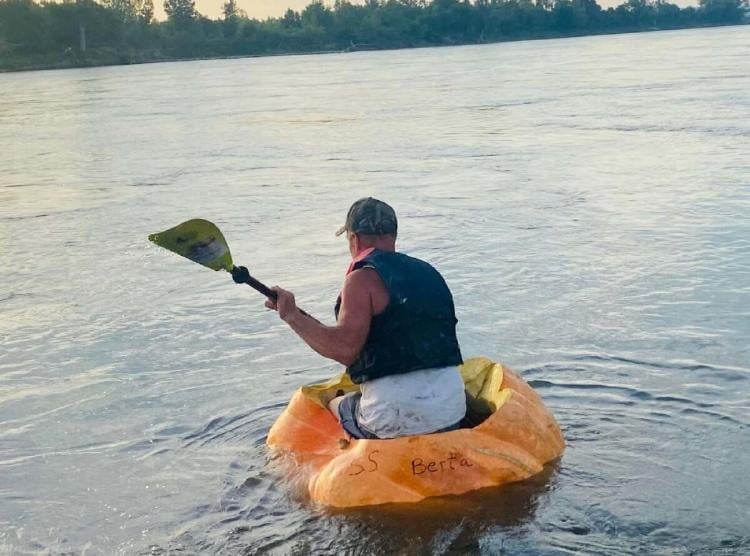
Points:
395	332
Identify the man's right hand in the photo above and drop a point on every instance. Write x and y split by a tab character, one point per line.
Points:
284	303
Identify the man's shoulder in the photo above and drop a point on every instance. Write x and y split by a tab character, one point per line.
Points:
365	277
366	282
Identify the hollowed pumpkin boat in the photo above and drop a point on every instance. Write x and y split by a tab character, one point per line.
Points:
509	436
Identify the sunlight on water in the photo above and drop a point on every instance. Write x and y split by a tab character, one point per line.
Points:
586	200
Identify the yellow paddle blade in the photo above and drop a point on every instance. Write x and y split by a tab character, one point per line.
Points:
198	240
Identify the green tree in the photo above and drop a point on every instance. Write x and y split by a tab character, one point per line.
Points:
723	11
24	26
230	10
667	15
291	19
451	21
588	13
180	12
124	8
232	15
146	11
317	15
564	16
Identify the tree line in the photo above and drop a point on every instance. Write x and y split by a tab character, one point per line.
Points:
87	32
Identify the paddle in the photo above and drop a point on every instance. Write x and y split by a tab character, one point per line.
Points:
202	242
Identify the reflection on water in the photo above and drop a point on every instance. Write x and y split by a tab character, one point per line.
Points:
586	200
446	525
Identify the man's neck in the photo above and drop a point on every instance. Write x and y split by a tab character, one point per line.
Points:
358	257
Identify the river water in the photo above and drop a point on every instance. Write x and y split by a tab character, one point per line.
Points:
586	199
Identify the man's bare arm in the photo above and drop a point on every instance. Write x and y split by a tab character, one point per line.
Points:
344	341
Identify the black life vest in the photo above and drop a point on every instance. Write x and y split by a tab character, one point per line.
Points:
417	330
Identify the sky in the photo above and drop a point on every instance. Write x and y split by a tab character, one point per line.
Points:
262	9
259	9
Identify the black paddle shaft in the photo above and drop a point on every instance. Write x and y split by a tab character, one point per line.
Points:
241	275
257	285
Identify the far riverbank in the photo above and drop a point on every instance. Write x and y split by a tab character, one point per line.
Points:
103	57
86	34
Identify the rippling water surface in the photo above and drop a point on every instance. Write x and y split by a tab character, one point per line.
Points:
586	199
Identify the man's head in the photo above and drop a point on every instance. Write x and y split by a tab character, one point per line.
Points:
370	223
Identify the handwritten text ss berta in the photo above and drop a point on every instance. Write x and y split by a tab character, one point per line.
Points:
419	466
451	463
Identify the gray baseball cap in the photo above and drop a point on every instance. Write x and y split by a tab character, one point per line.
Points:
370	217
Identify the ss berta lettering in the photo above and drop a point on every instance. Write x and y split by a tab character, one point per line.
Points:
451	463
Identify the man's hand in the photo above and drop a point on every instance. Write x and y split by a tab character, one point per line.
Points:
284	304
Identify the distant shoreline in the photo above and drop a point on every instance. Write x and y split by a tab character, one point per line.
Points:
96	58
